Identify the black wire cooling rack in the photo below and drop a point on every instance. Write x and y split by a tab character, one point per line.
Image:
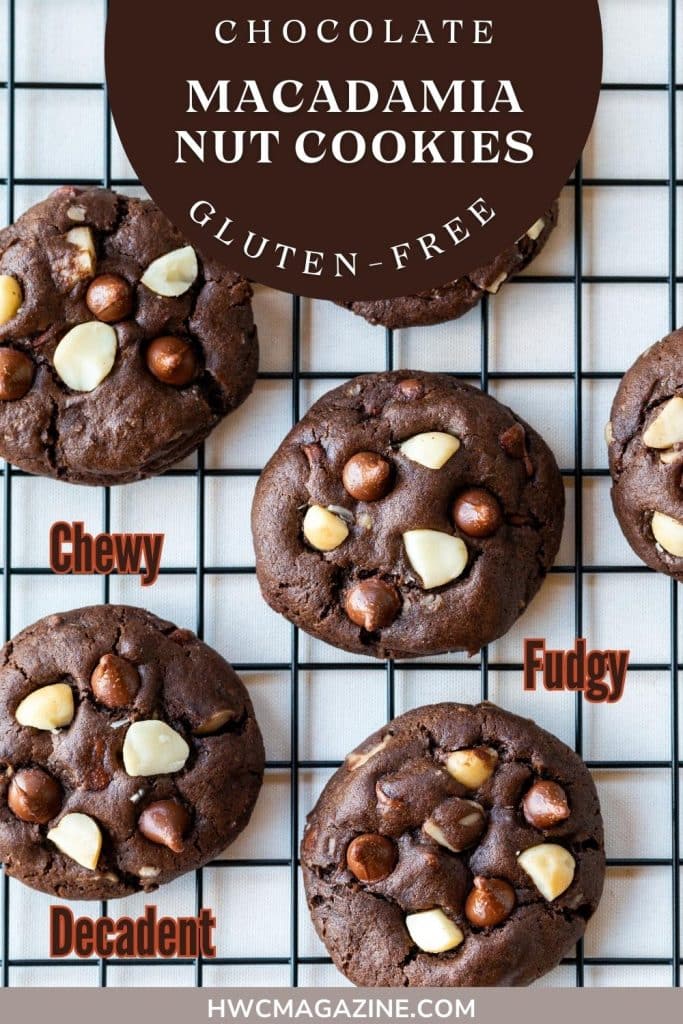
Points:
200	570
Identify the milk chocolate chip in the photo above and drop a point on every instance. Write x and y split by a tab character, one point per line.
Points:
34	796
372	604
110	298
367	476
490	902
16	374
165	823
371	858
410	389
172	361
115	681
545	804
513	443
477	513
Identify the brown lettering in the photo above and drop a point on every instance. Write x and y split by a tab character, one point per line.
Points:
599	675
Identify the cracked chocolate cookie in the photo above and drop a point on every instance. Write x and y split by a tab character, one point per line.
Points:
457	845
120	347
407	514
645	438
129	753
456	298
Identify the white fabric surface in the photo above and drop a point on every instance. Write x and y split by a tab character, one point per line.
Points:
59	134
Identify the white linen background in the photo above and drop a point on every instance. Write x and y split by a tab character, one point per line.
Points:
59	135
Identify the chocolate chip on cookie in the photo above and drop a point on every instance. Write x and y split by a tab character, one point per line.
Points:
407	514
120	347
128	758
490	902
423	862
16	374
34	796
172	361
110	298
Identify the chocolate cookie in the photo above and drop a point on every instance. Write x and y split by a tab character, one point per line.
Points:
407	514
120	347
129	753
645	438
456	298
458	845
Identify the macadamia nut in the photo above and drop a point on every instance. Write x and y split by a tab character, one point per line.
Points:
668	533
324	530
437	558
11	298
430	450
173	274
49	708
154	748
86	355
472	768
550	867
78	837
433	932
666	429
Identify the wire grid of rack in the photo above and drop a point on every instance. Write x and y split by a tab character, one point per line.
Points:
295	667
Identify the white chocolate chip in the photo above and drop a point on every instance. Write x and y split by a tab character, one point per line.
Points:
495	287
323	529
149	872
86	355
666	429
83	241
11	298
437	558
76	261
669	457
472	767
430	450
49	708
153	748
365	520
433	932
354	761
76	213
668	533
550	867
609	433
536	230
79	838
173	274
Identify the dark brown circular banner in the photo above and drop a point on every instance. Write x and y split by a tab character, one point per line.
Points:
344	150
